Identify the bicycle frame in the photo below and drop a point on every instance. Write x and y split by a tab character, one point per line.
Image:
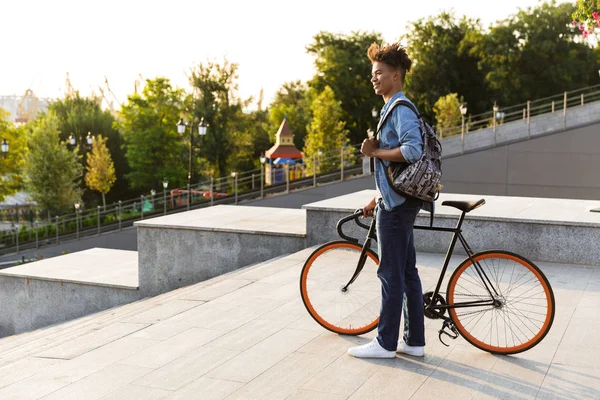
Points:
456	236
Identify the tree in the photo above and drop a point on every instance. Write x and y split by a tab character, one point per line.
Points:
52	171
447	113
291	102
100	168
79	115
443	64
217	102
326	132
11	163
153	148
342	64
534	54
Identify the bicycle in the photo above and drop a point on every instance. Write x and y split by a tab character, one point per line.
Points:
497	300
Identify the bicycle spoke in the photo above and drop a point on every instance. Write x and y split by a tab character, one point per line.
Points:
523	306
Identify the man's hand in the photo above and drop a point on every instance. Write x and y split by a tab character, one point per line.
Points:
368	209
369	146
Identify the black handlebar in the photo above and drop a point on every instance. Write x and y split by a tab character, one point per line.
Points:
358	213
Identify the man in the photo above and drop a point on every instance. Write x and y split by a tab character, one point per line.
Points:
399	140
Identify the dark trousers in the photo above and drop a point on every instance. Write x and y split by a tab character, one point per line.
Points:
399	276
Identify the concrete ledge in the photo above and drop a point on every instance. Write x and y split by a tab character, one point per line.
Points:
179	250
63	288
554	230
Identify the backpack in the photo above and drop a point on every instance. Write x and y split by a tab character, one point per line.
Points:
420	180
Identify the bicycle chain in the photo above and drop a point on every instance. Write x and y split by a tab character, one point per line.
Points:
472	312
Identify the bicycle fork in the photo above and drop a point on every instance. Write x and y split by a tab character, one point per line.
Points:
363	256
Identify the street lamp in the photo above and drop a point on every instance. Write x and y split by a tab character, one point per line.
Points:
181	127
234	175
463	112
89	139
165	183
77	206
152	193
4	147
263	159
72	140
374	114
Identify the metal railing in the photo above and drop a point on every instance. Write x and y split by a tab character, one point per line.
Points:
334	165
524	111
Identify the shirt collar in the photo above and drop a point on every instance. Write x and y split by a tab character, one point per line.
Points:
387	105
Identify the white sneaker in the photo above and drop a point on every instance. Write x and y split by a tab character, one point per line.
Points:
371	350
417	351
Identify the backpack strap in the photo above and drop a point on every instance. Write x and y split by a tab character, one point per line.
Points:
398	102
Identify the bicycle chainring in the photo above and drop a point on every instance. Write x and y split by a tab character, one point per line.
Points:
437	301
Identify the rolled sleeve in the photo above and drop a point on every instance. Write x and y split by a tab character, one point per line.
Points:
411	141
412	145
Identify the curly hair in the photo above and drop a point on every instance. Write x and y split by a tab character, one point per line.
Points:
393	55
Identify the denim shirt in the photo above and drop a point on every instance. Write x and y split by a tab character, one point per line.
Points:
401	129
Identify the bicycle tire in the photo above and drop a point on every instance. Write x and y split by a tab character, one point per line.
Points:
325	272
525	314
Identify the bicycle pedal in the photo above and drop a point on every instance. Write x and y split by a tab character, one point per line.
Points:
452	335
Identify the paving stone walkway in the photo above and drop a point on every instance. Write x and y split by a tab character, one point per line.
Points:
247	335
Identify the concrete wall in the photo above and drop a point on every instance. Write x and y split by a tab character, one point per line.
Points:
28	303
561	165
541	241
173	258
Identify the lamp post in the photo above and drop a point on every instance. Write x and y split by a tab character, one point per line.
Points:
165	183
463	112
263	159
181	127
374	114
77	206
4	147
234	175
152	193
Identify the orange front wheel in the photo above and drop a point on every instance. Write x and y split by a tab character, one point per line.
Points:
353	311
523	302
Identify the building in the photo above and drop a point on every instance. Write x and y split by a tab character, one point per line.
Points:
283	154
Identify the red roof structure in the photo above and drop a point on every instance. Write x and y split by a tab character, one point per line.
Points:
284	146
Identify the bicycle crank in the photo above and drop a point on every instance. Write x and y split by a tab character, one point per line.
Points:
453	334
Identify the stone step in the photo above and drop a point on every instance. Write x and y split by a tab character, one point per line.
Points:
20	346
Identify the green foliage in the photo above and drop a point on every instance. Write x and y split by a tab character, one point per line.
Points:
534	54
342	64
249	141
291	102
152	146
586	16
447	113
443	64
326	132
52	171
217	102
79	115
100	168
11	163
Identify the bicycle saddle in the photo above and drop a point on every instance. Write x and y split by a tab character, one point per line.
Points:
465	206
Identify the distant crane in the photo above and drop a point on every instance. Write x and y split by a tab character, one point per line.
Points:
69	91
27	108
138	83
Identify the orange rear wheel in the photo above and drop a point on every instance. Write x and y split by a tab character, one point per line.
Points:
327	270
524	308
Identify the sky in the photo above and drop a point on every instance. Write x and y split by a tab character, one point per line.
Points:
122	40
